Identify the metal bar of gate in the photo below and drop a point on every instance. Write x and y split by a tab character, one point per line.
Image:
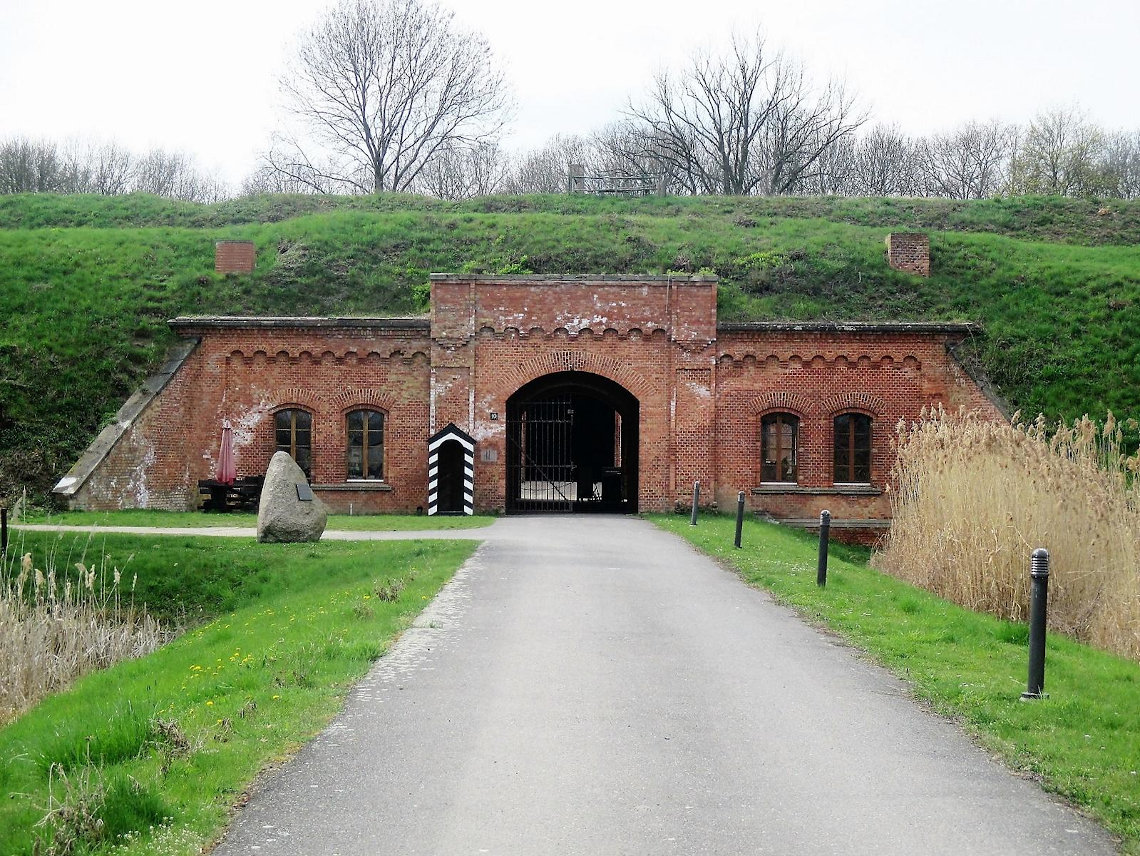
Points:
546	476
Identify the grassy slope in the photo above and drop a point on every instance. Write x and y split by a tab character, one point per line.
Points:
87	283
293	627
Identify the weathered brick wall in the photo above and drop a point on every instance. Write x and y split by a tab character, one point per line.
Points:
909	251
497	334
816	374
244	375
701	391
147	467
234	256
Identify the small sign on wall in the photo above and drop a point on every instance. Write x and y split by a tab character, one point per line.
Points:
488	456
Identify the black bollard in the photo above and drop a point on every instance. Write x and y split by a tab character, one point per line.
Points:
696	499
739	517
824	534
1038	607
4	532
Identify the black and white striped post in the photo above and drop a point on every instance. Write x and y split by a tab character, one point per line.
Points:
451	434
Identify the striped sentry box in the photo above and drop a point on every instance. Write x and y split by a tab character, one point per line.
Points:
451	472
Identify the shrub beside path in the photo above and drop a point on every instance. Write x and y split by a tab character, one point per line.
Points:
594	685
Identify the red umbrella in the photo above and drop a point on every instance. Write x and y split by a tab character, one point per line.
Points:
227	470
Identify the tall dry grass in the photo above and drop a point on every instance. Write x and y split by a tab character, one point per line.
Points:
56	627
972	498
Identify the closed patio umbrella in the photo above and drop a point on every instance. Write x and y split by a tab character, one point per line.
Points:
227	470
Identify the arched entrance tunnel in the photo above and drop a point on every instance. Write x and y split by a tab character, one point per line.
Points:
572	445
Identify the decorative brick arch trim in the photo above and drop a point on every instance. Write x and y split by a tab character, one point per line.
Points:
579	361
866	402
363	399
305	398
771	402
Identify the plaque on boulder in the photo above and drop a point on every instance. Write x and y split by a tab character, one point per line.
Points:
283	515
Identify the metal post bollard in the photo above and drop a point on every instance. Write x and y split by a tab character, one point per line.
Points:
824	534
739	517
4	532
1038	607
696	499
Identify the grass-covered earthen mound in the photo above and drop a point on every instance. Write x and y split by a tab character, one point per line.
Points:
87	283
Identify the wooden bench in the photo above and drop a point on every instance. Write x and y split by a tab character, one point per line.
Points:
243	495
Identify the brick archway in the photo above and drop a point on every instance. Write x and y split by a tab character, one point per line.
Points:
572	445
555	361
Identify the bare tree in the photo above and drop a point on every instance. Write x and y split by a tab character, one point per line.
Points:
266	179
748	122
110	168
1121	165
883	164
29	166
803	126
1059	154
175	176
544	170
381	87
162	173
705	122
460	171
969	162
623	148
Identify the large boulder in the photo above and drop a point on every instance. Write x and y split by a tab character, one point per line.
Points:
282	514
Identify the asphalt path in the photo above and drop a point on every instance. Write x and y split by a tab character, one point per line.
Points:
592	685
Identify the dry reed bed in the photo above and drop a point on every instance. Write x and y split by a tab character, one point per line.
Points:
53	630
972	498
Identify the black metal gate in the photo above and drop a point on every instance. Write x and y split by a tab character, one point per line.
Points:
540	471
572	445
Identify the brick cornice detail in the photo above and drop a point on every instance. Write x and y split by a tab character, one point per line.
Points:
345	352
808	358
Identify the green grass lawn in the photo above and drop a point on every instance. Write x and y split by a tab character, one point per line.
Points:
186	519
280	633
1083	742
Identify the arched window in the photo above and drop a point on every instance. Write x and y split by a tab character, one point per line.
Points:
778	446
852	448
294	434
365	429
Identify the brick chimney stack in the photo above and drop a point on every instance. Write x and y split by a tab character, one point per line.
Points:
234	256
909	251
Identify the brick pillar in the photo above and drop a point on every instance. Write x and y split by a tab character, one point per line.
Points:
452	352
909	251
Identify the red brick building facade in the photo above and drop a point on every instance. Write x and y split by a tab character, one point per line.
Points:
581	394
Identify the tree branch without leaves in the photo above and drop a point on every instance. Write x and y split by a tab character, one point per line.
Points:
748	122
382	87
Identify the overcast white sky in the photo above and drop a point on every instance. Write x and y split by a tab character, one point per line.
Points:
201	77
